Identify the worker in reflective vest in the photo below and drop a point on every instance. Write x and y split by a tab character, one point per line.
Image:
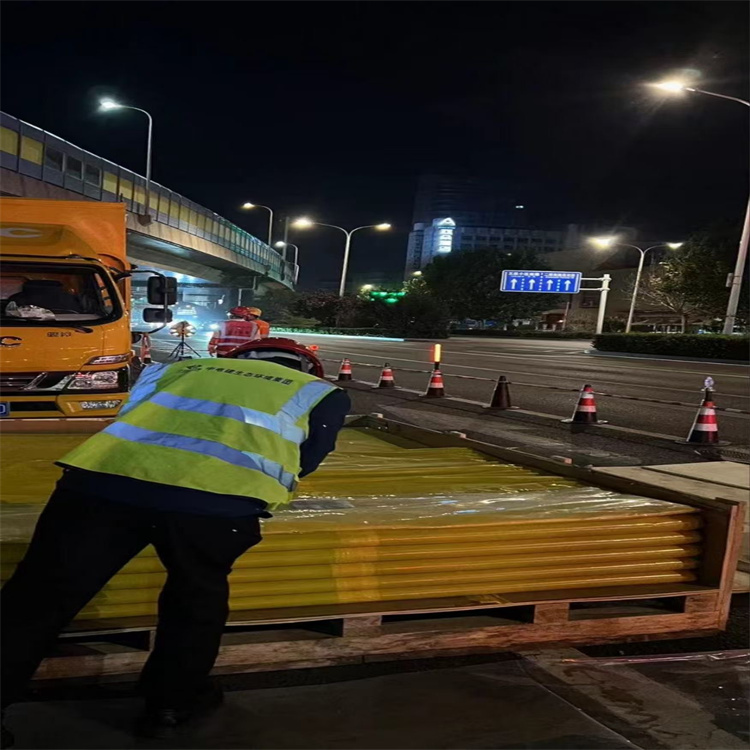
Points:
200	452
264	328
239	329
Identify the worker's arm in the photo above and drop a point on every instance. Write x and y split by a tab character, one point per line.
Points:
214	340
326	419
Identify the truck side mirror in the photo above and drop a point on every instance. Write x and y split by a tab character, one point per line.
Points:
162	290
157	315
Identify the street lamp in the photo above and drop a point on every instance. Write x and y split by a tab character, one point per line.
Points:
250	206
284	245
676	87
107	105
416	273
367	287
305	223
605	242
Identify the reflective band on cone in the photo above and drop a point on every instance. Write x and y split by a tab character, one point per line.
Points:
146	349
435	388
705	428
345	371
585	411
386	377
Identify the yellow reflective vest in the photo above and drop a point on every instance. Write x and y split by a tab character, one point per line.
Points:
231	429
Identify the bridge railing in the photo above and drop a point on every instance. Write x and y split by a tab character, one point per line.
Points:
39	154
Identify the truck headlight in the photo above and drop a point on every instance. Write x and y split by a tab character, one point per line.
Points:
86	381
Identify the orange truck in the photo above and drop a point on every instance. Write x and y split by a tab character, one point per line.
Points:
66	344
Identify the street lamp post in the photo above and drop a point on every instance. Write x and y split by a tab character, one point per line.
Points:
604	242
285	245
677	87
249	206
305	223
107	105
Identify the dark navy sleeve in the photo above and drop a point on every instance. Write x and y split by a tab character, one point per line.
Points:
326	419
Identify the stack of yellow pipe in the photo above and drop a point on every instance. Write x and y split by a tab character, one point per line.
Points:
388	521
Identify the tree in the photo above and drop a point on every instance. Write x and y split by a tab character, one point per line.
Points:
418	314
468	284
332	310
277	304
691	281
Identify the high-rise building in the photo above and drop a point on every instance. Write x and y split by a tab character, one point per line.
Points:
468	201
463	213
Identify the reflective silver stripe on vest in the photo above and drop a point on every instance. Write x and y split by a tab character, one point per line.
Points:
243	459
144	386
280	423
305	398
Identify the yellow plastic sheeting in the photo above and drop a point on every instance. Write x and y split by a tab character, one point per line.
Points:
146	580
562	531
492	579
28	471
107	610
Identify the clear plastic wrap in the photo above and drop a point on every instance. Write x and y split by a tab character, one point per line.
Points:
384	521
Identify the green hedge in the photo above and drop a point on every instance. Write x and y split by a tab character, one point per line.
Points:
521	334
708	345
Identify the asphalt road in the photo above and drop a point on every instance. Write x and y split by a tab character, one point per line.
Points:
563	364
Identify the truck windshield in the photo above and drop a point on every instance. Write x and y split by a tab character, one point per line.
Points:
43	294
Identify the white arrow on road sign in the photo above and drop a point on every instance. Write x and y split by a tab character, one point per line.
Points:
549	284
531	283
513	283
567	285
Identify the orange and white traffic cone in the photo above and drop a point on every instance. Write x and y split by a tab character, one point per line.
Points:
345	371
146	349
501	396
386	377
705	429
585	411
435	388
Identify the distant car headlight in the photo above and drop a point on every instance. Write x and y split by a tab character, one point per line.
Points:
85	381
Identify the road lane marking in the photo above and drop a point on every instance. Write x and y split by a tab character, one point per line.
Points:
526	372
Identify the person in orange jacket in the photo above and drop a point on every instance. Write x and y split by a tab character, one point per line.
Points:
263	326
241	328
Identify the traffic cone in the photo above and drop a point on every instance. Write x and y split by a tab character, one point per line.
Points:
345	371
501	396
705	428
585	411
435	388
146	349
386	377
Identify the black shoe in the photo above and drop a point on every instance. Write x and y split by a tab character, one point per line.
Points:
161	723
6	738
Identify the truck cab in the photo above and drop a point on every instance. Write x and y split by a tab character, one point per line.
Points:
65	318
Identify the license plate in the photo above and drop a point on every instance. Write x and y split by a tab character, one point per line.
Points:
4	409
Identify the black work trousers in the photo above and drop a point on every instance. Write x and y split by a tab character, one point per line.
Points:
79	543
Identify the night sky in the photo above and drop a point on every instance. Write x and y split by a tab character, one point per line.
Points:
332	109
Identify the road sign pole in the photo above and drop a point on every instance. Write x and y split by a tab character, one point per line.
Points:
604	293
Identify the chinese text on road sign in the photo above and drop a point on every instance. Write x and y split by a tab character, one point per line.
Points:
545	282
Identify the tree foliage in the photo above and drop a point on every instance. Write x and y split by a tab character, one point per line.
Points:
468	284
691	281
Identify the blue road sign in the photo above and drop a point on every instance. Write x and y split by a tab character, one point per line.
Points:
541	282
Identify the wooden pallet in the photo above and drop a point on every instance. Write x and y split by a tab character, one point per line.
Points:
344	634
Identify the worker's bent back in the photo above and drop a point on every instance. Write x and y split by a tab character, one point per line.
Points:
231	430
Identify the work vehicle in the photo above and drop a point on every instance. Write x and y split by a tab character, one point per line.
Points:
65	310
